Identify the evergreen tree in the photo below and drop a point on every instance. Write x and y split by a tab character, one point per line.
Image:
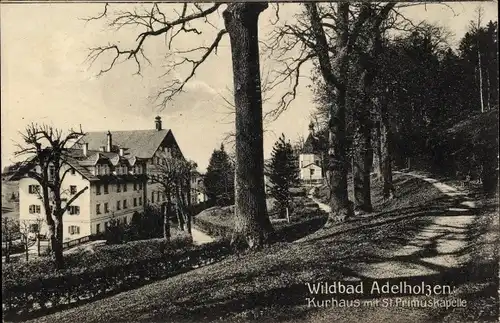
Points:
219	179
284	173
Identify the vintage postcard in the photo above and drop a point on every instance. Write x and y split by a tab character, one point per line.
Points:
293	161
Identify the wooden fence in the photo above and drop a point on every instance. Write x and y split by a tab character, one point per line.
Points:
76	242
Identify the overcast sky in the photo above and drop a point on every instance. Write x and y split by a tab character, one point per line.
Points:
44	77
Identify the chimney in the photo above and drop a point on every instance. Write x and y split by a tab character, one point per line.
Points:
85	149
158	123
122	152
102	148
109	142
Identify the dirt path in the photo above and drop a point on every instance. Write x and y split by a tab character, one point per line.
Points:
199	237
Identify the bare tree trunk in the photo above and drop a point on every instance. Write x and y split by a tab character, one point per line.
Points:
252	225
386	155
186	212
7	249
377	156
38	244
55	229
337	154
166	220
488	90
481	97
180	217
362	167
26	248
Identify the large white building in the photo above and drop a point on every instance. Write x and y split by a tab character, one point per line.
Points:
115	166
115	190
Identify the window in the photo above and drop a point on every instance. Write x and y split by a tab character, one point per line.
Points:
106	208
125	220
98	189
158	196
135	186
118	205
125	170
125	187
98	228
106	189
135	201
118	188
73	172
34	189
316	162
312	171
140	186
124	204
73	229
152	197
140	200
34	209
98	209
164	196
74	210
72	189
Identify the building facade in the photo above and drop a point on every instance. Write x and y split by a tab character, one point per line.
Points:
115	191
118	168
310	159
198	194
310	167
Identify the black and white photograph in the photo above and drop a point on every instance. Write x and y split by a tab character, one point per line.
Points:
289	161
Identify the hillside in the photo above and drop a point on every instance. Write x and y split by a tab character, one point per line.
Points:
403	245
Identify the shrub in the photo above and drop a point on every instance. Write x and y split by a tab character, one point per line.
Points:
110	268
216	221
16	247
298	191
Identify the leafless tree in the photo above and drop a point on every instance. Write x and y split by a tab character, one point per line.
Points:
252	225
174	175
48	162
25	230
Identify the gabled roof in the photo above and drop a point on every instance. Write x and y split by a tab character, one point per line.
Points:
139	143
311	164
84	164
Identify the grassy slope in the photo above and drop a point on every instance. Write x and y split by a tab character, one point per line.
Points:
268	286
